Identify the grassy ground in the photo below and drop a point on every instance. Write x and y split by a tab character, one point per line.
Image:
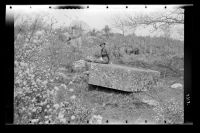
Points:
122	107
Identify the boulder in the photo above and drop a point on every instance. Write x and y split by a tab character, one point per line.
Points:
90	59
122	77
79	65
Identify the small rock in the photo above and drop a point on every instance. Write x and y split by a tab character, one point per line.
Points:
63	120
34	109
63	85
56	88
70	82
177	85
61	115
86	72
61	75
73	97
34	120
56	106
71	90
45	82
96	119
46	122
72	117
150	101
23	64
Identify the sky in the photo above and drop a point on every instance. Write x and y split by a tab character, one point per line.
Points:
98	16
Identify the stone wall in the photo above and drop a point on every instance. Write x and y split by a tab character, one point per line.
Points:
122	77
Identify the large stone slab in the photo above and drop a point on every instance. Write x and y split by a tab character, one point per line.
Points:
122	77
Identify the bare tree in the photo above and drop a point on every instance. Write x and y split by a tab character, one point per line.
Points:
162	21
26	27
120	24
106	31
20	26
33	28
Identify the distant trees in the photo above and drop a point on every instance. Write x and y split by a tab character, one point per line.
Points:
77	28
93	32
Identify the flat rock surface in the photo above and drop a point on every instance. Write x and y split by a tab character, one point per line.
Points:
128	68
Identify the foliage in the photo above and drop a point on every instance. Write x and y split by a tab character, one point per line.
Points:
37	102
39	52
31	94
174	113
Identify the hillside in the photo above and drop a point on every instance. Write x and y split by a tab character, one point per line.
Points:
49	89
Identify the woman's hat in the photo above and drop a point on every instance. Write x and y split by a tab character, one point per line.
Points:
102	44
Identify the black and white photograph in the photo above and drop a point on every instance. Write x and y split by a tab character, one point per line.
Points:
115	64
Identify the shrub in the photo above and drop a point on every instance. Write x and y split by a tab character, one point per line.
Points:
31	95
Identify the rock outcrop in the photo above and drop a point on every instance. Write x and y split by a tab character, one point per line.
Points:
79	66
